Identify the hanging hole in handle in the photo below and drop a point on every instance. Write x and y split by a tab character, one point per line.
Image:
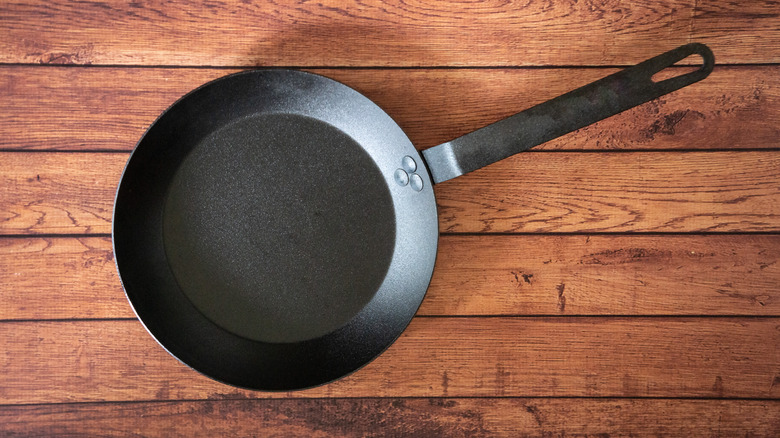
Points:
689	64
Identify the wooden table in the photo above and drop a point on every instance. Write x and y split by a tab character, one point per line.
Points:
623	279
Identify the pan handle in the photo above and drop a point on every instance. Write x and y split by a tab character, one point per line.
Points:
561	115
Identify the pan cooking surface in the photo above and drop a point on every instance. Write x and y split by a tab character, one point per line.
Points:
278	227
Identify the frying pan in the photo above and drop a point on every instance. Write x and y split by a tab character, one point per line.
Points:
277	230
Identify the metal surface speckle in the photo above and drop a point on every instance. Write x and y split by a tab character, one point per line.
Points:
266	240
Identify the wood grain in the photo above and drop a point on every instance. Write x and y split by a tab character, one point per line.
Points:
426	417
58	193
740	26
93	361
61	108
66	277
615	192
380	32
533	192
605	275
664	319
60	278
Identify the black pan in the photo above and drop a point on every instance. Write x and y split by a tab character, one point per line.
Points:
277	230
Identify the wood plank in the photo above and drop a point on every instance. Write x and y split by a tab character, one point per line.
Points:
399	417
58	193
615	192
60	278
535	192
64	278
605	275
740	26
65	108
380	32
93	361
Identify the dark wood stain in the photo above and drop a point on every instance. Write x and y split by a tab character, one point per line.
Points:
561	298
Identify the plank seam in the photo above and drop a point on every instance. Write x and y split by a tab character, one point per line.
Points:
52	236
532	151
364	67
617	233
482	234
474	397
492	316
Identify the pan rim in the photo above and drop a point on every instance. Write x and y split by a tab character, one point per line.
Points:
142	319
